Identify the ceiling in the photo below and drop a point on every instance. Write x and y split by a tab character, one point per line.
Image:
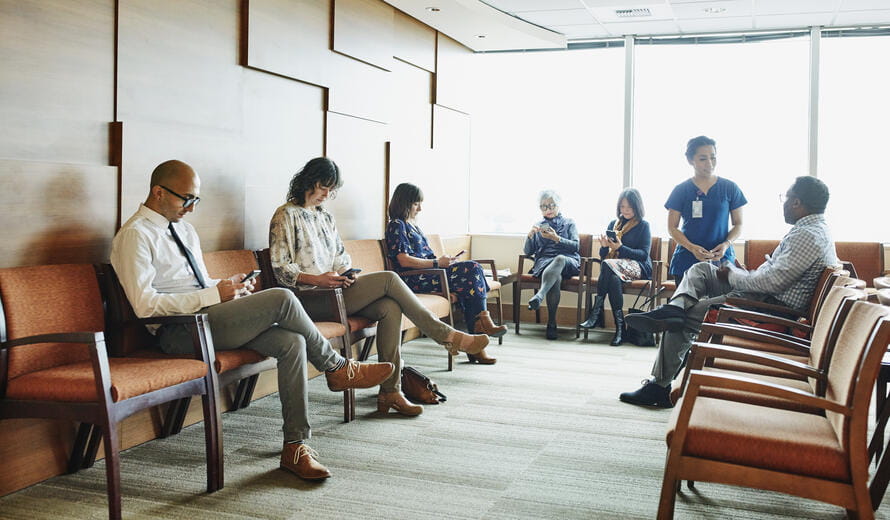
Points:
551	24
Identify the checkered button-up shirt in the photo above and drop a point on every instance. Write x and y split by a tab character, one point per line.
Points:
790	274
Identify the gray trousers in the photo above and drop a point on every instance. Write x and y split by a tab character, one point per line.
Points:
383	297
273	323
697	291
551	283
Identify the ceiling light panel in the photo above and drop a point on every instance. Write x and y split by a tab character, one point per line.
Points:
697	10
609	14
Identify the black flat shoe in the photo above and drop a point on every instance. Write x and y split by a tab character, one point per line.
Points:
664	318
551	332
650	394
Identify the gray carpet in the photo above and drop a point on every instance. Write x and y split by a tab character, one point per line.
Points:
539	435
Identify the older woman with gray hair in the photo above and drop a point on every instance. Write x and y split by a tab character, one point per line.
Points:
553	242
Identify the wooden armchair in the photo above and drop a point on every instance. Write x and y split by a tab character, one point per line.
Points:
820	457
574	284
864	260
54	365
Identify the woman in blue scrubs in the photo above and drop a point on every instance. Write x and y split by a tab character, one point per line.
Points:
706	204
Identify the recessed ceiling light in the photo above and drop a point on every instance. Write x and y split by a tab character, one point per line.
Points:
714	10
433	9
480	36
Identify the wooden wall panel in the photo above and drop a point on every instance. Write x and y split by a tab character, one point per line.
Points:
363	30
56	213
290	37
358	148
283	128
184	102
453	68
358	89
57	87
414	42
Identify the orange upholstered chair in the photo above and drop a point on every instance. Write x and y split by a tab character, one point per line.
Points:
575	284
864	260
820	457
54	365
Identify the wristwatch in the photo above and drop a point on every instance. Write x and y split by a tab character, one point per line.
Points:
435	263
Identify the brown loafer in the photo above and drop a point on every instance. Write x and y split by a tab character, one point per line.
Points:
398	402
484	325
482	358
358	375
301	460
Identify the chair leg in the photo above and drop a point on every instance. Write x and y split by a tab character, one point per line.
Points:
366	349
92	448
668	498
78	450
238	398
500	309
516	290
450	361
245	391
112	470
176	412
213	443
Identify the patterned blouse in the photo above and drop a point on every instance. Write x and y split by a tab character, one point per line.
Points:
304	240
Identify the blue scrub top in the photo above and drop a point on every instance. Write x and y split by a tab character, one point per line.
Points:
712	227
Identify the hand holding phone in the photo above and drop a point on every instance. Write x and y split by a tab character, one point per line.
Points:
462	251
350	273
253	274
611	235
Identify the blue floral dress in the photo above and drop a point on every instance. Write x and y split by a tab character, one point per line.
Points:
466	280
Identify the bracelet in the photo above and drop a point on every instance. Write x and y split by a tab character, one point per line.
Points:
435	263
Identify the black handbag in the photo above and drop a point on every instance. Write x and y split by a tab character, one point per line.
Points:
638	337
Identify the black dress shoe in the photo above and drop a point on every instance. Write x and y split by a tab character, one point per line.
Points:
534	304
663	318
650	394
551	331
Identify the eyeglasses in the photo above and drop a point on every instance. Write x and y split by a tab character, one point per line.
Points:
187	202
545	207
784	197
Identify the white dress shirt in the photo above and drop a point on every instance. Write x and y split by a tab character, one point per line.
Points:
153	271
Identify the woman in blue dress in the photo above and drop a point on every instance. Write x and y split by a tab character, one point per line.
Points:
554	244
408	249
706	203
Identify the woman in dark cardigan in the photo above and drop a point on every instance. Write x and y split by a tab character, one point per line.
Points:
625	258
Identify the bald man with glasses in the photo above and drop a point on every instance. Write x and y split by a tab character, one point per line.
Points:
157	257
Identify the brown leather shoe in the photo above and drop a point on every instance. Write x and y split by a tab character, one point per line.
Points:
484	325
482	358
462	342
397	401
300	460
358	375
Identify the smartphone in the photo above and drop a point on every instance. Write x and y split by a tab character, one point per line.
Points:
350	273
253	274
462	251
611	235
544	226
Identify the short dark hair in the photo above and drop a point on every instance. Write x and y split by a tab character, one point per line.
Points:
320	171
812	192
697	142
405	195
634	199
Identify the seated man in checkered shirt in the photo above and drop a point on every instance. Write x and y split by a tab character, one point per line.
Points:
788	277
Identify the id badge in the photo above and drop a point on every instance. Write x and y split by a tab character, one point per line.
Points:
696	209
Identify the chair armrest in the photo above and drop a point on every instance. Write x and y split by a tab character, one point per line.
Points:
727	313
489	262
699	378
755	304
704	352
755	335
59	337
440	273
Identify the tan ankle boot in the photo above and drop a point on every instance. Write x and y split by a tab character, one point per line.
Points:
484	325
462	342
482	358
398	402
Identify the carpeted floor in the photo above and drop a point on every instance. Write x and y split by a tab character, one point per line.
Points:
539	435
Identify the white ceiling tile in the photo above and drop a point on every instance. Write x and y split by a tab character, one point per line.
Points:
769	7
863	5
705	25
785	21
620	4
686	2
697	10
562	17
512	6
877	17
579	32
642	28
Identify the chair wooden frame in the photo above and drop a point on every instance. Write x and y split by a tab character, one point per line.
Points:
99	419
852	494
574	284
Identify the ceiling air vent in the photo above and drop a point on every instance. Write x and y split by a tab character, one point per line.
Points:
632	13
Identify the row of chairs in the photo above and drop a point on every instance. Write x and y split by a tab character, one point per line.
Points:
807	389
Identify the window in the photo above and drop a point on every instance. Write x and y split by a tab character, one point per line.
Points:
750	97
546	120
854	134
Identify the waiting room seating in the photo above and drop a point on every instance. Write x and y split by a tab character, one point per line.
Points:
820	457
54	365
